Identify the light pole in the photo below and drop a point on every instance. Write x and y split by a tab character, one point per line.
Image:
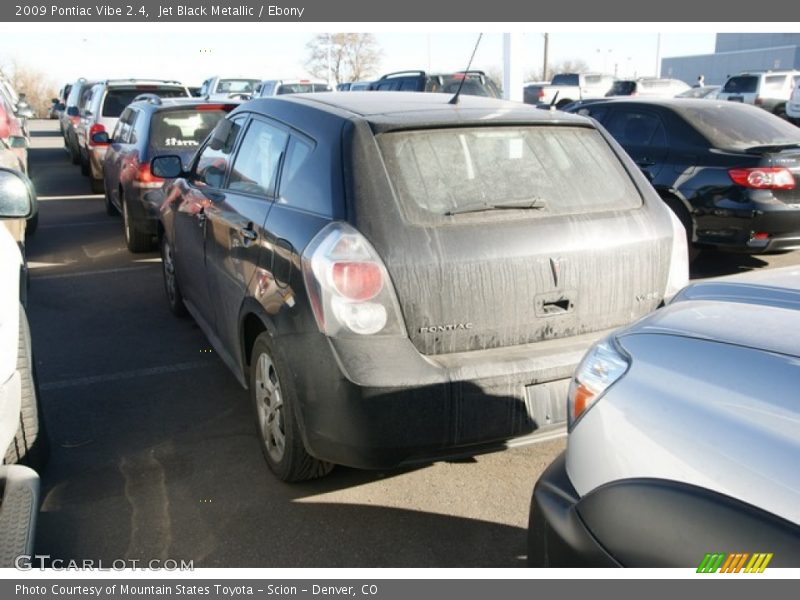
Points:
546	57
330	45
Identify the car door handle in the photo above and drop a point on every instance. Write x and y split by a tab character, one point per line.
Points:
248	233
646	162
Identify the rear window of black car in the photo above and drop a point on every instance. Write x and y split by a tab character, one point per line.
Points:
171	129
623	88
731	125
741	84
302	88
118	98
555	169
566	79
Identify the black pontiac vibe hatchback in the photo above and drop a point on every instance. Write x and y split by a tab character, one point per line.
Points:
396	278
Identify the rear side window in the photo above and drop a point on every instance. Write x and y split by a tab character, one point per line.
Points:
774	83
636	128
741	84
118	98
182	128
299	187
730	125
566	79
255	169
560	170
623	88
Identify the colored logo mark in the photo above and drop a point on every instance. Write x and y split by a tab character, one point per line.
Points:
742	562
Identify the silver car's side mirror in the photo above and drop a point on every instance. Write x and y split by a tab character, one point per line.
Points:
167	167
16	195
18	141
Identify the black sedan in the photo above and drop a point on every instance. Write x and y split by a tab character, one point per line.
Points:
729	171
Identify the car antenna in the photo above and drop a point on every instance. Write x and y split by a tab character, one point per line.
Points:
553	101
454	99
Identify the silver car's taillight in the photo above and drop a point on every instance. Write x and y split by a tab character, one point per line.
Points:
602	366
348	285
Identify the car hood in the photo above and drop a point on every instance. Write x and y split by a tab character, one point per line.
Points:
755	310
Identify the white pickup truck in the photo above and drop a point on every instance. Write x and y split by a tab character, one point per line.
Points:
22	437
568	87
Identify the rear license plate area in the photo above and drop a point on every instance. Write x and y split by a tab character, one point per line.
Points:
547	403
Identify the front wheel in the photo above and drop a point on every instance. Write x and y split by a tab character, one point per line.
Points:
275	404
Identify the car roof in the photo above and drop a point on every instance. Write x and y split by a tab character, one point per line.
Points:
753	310
183	102
407	110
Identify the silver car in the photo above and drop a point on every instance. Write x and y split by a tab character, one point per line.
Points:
684	437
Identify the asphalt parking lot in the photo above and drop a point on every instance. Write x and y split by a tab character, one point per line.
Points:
154	452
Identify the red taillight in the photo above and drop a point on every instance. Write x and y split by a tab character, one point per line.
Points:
763	178
75	120
541	93
759	235
358	281
758	101
145	179
96	128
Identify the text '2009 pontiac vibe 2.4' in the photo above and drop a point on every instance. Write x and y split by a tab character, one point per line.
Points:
397	277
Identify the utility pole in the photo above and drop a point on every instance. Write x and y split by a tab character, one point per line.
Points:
546	57
658	56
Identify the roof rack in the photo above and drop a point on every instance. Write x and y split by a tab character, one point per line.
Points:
151	98
143	80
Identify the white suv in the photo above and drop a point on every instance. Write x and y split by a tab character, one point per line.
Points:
769	89
793	106
22	437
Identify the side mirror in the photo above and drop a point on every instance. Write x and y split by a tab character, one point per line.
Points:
60	106
167	167
73	111
54	100
101	138
16	195
18	141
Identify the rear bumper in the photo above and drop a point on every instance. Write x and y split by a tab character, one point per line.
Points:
96	157
738	230
379	403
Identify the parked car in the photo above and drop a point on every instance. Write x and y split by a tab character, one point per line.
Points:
475	83
354	86
793	106
683	436
363	342
648	86
145	129
278	87
101	111
72	116
568	87
222	88
770	90
704	91
23	441
729	171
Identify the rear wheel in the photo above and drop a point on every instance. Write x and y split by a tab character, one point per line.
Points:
275	405
136	240
173	291
111	210
98	187
84	162
74	153
686	220
780	111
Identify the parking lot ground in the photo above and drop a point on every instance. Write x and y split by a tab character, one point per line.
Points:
154	452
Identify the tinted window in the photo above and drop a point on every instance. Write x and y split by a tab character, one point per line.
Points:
237	86
298	189
256	167
384	86
562	170
774	82
735	126
566	79
596	112
636	128
213	162
302	88
182	128
741	84
118	98
623	88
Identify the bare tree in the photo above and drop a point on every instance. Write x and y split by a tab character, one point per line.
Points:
574	65
353	56
38	89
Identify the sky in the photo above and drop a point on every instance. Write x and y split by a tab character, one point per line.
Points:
182	52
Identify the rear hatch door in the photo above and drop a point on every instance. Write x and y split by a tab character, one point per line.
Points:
511	235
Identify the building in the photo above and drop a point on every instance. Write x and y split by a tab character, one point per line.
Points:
734	53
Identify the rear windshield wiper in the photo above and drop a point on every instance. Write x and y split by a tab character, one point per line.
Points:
773	147
533	203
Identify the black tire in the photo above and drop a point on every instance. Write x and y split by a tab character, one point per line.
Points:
171	287
30	445
111	210
136	240
74	153
780	111
274	406
686	220
98	186
84	162
32	224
